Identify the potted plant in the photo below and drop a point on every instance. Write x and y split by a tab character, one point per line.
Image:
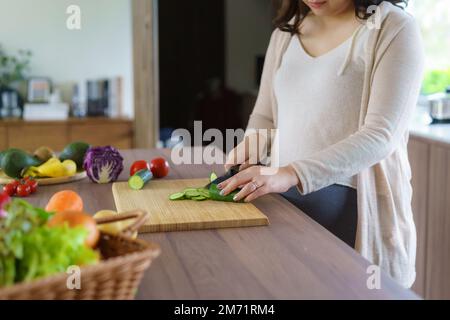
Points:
13	72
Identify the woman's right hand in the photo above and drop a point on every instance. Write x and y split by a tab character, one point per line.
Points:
246	153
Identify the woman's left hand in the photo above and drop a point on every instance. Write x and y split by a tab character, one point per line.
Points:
257	181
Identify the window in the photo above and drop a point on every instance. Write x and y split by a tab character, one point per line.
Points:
433	17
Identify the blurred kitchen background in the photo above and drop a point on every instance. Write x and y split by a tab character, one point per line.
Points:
208	61
210	54
138	69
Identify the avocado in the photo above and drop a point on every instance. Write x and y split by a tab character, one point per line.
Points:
75	152
4	152
14	161
44	153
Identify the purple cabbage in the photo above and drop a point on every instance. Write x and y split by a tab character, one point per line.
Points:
103	164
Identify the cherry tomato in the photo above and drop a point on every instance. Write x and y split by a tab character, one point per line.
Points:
15	183
138	166
159	167
9	189
23	190
33	184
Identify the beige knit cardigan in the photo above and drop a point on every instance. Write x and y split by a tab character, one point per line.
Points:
377	152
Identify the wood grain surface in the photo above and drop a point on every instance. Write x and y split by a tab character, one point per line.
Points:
437	283
183	215
97	131
419	154
145	72
292	258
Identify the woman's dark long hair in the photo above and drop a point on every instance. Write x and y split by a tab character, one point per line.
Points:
298	10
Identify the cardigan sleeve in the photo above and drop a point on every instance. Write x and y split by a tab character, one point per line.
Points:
394	90
262	116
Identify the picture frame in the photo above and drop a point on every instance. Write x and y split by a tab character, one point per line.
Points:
39	89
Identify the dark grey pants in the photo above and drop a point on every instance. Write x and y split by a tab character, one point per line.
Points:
334	207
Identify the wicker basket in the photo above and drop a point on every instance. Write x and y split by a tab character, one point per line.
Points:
116	276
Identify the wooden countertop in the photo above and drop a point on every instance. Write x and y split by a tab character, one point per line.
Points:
293	258
420	129
438	134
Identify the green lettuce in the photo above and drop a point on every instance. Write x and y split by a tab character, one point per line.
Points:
29	249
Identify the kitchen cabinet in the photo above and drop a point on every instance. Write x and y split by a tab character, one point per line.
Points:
419	159
3	138
438	229
56	134
429	156
118	135
31	136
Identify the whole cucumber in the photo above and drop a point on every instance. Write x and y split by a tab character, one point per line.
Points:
214	193
140	179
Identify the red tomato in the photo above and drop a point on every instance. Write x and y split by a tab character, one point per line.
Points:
159	167
138	166
15	183
9	189
23	190
33	184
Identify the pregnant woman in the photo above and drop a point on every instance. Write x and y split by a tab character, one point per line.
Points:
340	83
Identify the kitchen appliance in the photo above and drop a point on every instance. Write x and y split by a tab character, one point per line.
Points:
103	98
439	105
166	215
10	104
97	98
46	112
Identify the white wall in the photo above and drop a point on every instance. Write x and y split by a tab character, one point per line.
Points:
248	29
102	48
433	17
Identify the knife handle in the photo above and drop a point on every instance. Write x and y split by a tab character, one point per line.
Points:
235	169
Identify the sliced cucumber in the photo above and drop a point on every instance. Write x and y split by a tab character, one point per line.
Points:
199	194
177	196
192	193
199	198
204	192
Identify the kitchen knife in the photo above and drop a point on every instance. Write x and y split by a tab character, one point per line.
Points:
231	172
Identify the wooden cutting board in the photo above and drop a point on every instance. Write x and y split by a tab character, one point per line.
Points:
182	215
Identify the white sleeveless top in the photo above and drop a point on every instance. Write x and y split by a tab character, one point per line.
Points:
318	101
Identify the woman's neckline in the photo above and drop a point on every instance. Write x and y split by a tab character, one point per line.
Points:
331	51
